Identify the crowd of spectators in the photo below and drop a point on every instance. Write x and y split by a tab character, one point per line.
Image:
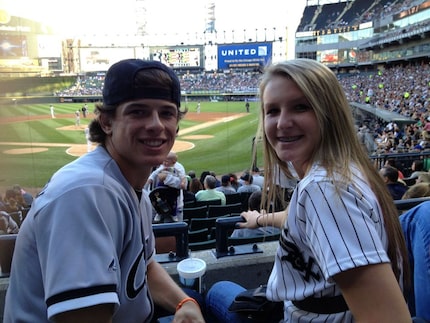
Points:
14	205
332	15
399	89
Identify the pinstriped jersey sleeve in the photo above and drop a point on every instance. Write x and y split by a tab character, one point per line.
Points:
343	231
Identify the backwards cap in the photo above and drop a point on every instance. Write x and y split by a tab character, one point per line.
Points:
120	86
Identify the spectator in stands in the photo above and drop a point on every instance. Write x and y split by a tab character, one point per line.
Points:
170	174
423	178
203	176
210	193
332	228
218	182
392	162
110	275
195	185
417	190
247	184
226	187
390	176
234	181
417	169
13	201
7	224
257	178
27	197
254	204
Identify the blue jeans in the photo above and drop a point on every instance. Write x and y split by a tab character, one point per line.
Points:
218	299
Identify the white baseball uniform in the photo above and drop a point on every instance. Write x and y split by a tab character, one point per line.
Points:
87	240
330	228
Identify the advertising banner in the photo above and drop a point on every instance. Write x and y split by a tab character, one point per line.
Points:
244	55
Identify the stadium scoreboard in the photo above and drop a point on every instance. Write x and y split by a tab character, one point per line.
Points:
178	56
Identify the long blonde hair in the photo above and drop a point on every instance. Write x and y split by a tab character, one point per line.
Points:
339	146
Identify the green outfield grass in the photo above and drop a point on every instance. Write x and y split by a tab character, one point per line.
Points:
228	150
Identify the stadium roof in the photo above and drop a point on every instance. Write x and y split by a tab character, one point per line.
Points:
321	2
385	115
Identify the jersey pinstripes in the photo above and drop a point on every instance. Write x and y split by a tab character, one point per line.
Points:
331	227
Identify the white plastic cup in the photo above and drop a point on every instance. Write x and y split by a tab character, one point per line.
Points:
191	272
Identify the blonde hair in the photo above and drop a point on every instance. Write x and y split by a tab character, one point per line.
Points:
417	190
339	146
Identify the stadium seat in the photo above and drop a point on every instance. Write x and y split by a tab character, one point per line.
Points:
195	212
204	245
198	235
220	210
244	197
232	198
7	246
207	203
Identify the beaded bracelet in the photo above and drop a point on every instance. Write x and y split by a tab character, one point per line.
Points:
256	221
186	299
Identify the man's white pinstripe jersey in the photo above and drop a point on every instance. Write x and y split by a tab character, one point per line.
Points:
330	228
94	239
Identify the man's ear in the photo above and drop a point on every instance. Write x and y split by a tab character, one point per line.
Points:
106	123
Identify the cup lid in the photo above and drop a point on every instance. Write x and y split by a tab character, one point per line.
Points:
191	268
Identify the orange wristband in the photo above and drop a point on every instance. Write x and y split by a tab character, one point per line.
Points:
186	299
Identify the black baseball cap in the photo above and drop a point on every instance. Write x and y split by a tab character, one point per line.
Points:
119	85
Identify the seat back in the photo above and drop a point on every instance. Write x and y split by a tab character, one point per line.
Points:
404	205
207	203
232	198
7	246
209	223
198	235
195	212
244	197
220	210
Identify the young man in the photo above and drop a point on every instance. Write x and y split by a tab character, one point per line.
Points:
85	253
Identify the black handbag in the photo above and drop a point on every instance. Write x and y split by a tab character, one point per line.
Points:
253	304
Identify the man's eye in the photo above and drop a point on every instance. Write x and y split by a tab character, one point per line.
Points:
169	113
137	112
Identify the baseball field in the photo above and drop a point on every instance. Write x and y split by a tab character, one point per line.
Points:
33	145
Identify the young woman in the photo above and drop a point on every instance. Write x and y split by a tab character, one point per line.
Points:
341	256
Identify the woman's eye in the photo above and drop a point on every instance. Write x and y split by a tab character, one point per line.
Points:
302	107
271	110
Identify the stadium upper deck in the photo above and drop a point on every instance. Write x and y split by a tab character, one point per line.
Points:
346	35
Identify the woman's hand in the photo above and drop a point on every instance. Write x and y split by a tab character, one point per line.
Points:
250	220
255	219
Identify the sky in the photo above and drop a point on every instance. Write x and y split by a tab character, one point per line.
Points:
80	17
